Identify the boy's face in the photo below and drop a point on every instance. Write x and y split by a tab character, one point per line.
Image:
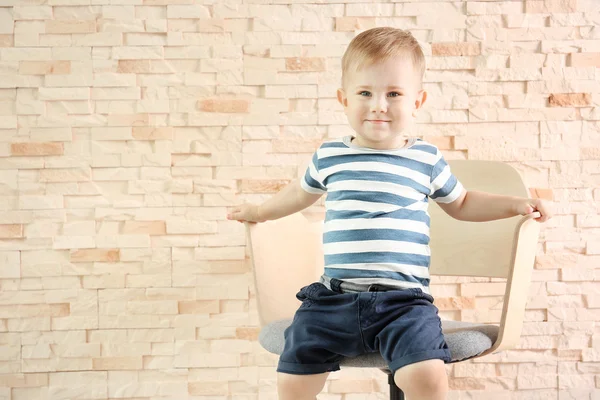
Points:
380	101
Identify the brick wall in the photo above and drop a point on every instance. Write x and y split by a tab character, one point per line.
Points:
129	126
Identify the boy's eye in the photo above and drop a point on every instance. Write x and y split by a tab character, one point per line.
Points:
367	93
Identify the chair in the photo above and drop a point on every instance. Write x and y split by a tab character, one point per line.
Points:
286	255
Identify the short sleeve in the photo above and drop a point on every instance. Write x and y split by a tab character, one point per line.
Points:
445	187
311	181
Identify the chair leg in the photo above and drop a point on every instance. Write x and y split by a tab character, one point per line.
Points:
395	392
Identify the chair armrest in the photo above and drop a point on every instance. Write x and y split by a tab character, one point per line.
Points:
517	286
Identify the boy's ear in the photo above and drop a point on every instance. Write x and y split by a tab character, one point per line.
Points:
341	96
421	99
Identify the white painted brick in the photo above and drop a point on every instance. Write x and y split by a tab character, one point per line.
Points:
25	53
137	52
6	20
121	12
187	11
159	25
97	39
369	10
32	12
63	93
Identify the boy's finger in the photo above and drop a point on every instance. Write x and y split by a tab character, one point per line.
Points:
233	214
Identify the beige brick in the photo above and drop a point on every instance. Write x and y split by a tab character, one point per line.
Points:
11	231
117	363
455	303
262	186
590	153
539	193
133	66
45	67
36	149
6	40
247	333
65	175
305	64
570	100
87	255
441	142
34	310
224	105
455	49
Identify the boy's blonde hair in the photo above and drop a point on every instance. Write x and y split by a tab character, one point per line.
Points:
380	44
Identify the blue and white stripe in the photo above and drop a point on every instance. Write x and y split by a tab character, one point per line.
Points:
377	226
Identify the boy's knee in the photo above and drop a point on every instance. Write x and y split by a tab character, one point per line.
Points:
292	386
425	378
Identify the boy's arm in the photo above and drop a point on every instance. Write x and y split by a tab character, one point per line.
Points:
288	200
480	206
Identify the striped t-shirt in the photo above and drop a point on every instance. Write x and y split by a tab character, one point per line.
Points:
376	226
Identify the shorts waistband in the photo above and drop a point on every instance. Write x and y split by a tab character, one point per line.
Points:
339	286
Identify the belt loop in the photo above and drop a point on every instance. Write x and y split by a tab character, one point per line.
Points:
375	287
335	285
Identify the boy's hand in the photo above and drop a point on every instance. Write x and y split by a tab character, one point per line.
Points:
528	206
245	213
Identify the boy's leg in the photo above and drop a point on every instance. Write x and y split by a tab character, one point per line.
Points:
425	380
411	341
300	387
324	331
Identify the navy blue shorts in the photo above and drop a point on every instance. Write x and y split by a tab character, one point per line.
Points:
403	325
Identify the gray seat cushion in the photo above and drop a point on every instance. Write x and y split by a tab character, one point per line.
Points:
465	340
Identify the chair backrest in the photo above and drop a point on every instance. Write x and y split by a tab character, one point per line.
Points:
475	248
287	253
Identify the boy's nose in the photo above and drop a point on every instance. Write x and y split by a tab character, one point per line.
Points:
378	105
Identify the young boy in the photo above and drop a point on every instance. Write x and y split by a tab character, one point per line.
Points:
374	294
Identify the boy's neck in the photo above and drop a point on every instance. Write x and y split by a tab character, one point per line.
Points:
400	145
